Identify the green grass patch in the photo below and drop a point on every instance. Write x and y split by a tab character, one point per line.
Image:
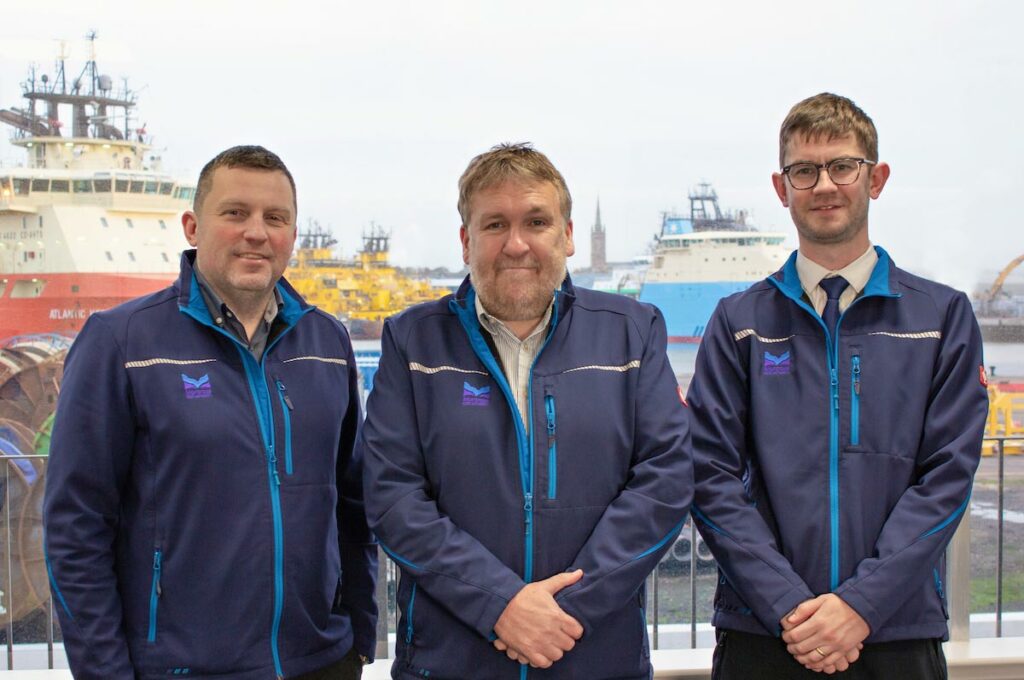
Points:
983	593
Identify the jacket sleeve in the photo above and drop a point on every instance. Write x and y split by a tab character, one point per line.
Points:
448	563
737	533
640	524
90	459
923	520
356	545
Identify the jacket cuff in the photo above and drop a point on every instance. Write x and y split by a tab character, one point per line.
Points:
492	611
862	606
783	606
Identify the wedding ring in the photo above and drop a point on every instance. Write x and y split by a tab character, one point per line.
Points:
823	654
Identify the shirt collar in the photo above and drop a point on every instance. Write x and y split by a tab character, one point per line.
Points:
856	273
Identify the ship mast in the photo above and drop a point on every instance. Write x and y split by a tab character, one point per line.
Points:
100	118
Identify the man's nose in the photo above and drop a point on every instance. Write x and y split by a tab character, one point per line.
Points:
515	244
825	182
255	229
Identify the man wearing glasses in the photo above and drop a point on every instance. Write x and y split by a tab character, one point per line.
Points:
838	408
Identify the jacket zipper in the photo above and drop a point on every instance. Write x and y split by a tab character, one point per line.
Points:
832	354
255	372
855	402
525	446
408	618
154	595
549	409
286	409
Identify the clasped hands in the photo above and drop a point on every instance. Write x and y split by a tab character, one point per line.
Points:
533	629
824	634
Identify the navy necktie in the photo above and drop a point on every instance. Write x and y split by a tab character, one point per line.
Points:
833	287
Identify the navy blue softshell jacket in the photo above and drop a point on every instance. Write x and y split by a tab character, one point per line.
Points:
473	503
203	511
837	464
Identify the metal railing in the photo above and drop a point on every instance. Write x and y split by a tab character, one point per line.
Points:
679	590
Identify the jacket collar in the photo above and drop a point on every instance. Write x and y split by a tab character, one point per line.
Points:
879	284
191	302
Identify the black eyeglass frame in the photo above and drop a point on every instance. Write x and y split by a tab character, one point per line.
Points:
827	167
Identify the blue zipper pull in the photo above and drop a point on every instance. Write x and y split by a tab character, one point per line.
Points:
284	395
856	375
835	392
528	509
156	571
549	409
273	466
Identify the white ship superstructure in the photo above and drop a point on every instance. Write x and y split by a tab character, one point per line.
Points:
90	220
702	258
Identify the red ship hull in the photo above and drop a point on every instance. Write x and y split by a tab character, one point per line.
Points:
67	300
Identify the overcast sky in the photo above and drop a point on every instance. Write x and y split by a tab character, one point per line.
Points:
378	106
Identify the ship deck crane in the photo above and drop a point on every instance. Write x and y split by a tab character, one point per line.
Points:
990	295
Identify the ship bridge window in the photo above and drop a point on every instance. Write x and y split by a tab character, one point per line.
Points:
136	186
40	185
166	188
83	186
21	185
186	193
61	185
102	185
150	188
28	288
121	185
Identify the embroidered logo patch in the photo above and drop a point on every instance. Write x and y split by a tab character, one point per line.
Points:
776	365
475	396
197	388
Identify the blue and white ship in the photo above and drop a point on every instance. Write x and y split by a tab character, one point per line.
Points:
702	258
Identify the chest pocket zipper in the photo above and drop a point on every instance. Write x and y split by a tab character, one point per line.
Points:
855	401
286	409
549	410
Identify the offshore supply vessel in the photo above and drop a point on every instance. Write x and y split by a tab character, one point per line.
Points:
90	220
360	292
701	258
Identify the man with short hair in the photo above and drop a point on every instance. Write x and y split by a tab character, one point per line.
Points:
203	510
838	409
526	448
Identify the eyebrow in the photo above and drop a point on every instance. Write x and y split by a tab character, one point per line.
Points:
240	203
535	210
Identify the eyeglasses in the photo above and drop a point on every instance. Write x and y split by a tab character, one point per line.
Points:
840	170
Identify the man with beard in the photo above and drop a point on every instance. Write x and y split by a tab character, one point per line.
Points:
526	449
838	408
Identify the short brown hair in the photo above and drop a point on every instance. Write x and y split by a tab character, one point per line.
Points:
511	161
828	115
247	156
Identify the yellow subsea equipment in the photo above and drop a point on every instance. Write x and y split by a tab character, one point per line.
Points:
1005	419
